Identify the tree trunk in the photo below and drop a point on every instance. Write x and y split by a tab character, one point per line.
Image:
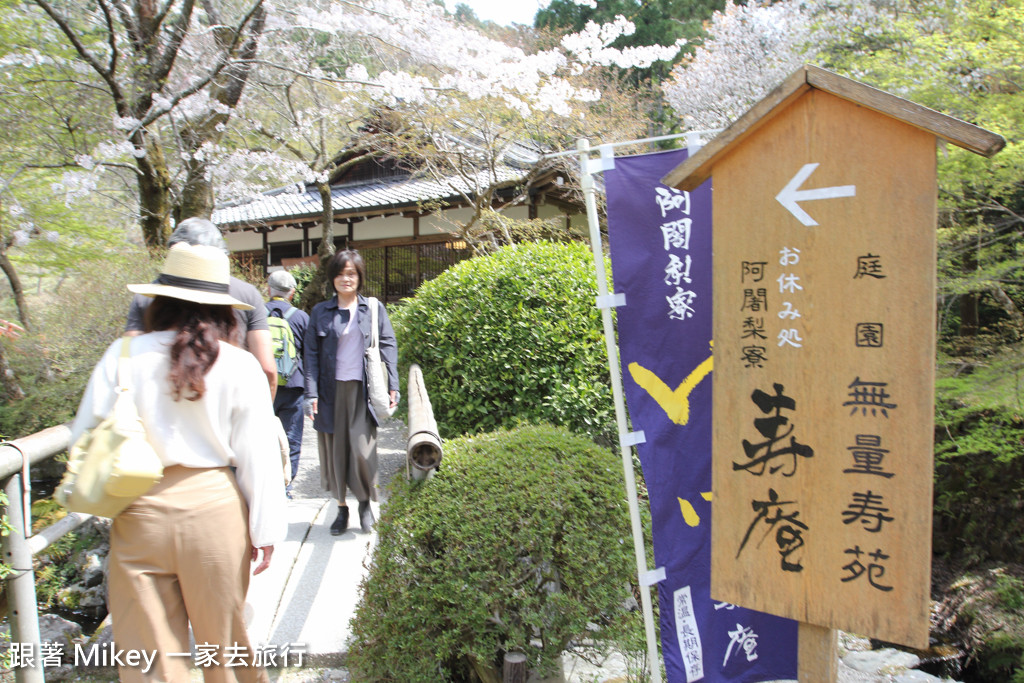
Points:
16	288
326	249
1009	306
321	288
968	315
197	200
154	190
197	196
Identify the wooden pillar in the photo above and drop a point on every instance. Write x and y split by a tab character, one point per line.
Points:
266	251
415	236
819	654
387	274
514	669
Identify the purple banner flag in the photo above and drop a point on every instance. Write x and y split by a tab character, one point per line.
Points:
660	242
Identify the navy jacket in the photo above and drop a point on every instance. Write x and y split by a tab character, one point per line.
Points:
320	349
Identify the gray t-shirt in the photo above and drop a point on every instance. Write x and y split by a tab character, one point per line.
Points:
256	319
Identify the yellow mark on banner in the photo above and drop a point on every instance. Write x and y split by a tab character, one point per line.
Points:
676	404
690	515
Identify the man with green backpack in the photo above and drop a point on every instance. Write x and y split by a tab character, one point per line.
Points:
287	330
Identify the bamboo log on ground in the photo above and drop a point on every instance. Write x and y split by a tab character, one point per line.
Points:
423	452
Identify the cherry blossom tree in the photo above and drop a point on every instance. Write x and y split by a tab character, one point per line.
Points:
405	81
152	59
177	74
752	48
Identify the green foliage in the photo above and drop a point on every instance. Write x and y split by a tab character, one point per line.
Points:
511	337
519	542
303	275
1010	592
979	477
657	22
46	125
964	58
5	530
990	622
82	318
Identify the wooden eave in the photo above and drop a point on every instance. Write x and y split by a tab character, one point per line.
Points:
690	174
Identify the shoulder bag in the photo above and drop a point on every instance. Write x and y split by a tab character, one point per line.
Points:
112	464
376	373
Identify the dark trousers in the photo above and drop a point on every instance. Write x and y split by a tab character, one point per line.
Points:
348	457
288	408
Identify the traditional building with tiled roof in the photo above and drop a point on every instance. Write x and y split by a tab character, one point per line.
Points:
390	215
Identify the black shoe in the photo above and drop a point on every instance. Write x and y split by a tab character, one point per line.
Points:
365	516
340	522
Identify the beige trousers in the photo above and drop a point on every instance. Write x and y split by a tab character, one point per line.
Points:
181	554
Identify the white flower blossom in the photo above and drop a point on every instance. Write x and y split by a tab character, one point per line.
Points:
107	150
357	72
161	102
126	123
75	185
752	48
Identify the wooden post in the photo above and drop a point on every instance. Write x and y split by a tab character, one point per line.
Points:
819	654
514	669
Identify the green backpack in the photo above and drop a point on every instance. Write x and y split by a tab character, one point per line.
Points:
282	341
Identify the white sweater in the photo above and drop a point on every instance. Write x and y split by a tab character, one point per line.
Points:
232	424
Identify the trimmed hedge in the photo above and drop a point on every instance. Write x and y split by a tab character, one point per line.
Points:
509	338
521	541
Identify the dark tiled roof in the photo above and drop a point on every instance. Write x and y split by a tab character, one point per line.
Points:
352	198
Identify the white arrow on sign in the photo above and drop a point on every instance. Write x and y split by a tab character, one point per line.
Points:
790	194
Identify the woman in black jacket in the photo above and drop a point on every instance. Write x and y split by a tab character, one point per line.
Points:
334	361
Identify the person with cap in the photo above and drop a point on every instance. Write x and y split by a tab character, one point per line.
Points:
290	390
180	554
253	332
338	335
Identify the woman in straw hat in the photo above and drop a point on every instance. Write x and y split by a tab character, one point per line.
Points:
181	553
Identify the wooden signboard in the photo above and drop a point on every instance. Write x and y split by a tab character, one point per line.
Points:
824	299
824	357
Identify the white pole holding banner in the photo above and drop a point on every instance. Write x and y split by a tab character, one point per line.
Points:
603	299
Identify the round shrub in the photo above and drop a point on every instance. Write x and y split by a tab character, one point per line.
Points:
520	542
511	337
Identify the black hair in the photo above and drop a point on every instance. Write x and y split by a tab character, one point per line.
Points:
342	259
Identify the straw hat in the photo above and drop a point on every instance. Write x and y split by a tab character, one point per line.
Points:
194	273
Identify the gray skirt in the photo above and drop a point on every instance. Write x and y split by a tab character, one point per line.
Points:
348	457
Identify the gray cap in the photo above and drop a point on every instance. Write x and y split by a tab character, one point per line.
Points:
281	281
198	231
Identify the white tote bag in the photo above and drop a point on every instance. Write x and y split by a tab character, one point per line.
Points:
376	373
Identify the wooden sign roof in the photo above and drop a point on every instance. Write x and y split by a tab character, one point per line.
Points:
690	174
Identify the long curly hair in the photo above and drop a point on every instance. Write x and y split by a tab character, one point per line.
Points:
200	329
